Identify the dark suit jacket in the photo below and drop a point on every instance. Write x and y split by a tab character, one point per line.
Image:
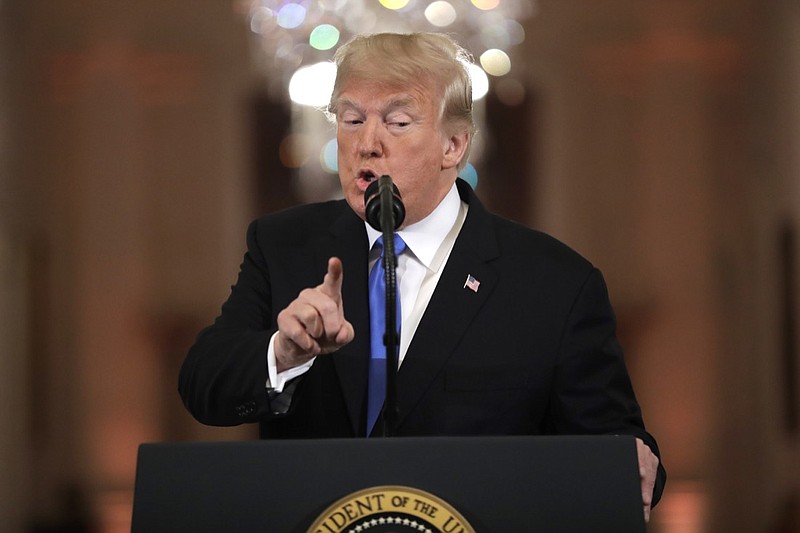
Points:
532	351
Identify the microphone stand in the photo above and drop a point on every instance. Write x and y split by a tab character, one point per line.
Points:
390	340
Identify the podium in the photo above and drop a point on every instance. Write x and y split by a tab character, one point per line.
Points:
559	484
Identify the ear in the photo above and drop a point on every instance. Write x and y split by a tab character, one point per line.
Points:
454	149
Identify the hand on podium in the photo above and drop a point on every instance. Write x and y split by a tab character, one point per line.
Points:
648	466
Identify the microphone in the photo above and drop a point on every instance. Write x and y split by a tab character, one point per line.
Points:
384	209
385	212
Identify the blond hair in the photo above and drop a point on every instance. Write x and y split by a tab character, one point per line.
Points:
421	59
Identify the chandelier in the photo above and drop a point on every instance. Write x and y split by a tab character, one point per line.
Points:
290	34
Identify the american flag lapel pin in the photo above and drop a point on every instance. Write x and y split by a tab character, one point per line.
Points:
472	283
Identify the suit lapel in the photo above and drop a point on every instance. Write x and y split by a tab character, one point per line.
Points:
349	243
452	306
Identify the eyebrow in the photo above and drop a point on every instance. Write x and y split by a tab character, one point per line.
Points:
396	103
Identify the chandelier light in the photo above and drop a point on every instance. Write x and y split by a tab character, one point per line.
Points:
295	34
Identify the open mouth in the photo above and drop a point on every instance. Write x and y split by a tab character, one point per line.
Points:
365	177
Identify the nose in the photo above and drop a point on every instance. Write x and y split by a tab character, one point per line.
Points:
370	143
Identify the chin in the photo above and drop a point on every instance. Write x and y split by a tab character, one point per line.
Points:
357	205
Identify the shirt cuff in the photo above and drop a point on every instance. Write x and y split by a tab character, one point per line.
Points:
277	381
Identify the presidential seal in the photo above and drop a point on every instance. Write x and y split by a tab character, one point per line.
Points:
390	509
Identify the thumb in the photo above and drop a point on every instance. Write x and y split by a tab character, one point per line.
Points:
332	283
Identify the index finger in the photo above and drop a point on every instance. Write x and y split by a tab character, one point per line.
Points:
332	283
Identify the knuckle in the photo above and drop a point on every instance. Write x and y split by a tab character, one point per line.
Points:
328	307
306	294
283	316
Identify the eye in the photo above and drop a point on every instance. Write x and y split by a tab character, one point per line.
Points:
399	121
351	118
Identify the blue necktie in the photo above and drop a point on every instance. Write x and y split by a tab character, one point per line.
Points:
376	388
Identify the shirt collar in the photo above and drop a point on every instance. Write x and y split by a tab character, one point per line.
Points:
424	238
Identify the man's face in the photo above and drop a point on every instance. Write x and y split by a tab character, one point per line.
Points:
395	131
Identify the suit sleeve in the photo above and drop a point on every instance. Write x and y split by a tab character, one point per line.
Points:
593	392
223	378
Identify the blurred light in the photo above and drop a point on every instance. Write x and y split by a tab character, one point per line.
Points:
440	13
364	18
510	91
290	55
470	175
394	4
313	85
502	33
324	37
294	150
495	62
332	5
291	16
284	27
480	82
262	20
515	32
486	5
329	157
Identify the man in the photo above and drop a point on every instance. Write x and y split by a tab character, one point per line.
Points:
527	347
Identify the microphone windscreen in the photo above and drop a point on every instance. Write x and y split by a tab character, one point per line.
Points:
372	203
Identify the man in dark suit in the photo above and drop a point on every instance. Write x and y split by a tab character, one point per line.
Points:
505	331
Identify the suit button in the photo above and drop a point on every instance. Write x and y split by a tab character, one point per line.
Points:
246	409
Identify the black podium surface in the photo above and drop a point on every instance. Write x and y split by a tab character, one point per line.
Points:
498	484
